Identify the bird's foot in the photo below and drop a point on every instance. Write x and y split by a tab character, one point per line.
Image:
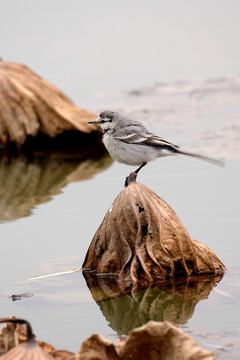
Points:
130	178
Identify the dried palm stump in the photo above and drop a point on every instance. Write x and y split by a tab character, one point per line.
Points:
162	341
30	105
142	239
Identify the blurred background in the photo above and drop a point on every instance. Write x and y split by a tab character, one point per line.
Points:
96	48
174	66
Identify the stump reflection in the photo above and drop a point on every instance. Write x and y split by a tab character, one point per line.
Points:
170	300
28	181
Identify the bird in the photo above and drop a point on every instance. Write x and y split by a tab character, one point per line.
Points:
129	142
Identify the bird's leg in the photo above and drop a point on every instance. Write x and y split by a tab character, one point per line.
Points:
140	167
133	175
130	178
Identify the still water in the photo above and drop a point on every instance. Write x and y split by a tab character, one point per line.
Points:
51	205
57	233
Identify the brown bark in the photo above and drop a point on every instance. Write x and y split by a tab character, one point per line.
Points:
153	341
29	104
141	239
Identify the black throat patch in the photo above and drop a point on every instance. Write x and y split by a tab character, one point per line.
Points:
104	131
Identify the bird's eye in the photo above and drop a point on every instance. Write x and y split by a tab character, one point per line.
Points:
110	120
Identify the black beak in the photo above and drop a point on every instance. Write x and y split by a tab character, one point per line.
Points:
95	121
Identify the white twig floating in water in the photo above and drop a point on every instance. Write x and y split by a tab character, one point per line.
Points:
55	274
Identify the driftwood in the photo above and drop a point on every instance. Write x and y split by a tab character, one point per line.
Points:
141	239
30	105
153	341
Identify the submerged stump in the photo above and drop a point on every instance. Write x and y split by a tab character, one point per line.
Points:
141	239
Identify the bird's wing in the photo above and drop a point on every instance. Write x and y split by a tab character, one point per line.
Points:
155	140
133	138
145	138
149	139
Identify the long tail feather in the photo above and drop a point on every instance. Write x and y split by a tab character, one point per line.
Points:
201	157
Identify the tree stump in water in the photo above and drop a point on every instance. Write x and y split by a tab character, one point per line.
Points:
141	239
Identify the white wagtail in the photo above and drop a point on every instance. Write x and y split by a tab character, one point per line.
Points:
129	142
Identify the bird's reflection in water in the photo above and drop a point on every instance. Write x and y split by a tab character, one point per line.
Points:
172	300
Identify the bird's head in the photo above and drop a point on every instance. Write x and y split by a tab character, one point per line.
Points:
107	120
